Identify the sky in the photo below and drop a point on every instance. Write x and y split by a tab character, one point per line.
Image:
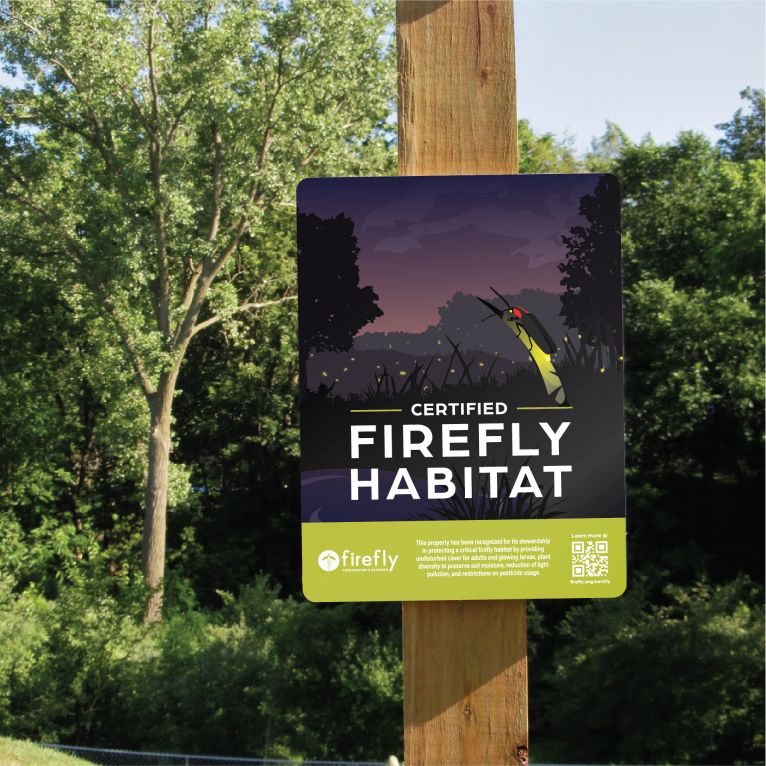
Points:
654	66
423	240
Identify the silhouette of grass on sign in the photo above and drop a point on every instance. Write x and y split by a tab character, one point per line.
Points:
521	387
523	381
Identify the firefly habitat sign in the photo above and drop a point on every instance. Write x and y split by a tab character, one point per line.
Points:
461	385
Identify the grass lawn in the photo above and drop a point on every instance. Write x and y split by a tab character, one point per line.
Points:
14	752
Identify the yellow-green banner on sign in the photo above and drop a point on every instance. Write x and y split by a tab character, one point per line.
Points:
453	560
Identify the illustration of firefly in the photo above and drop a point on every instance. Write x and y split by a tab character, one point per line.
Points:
536	340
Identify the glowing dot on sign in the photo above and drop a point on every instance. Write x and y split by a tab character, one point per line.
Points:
402	372
353	358
579	336
452	369
621	358
337	380
602	370
345	369
324	373
377	366
481	364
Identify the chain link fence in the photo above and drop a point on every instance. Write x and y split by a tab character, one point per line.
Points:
109	757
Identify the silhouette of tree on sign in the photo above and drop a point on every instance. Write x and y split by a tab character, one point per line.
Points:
592	301
333	308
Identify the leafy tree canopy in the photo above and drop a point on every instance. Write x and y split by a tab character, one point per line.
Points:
544	152
142	155
744	133
676	682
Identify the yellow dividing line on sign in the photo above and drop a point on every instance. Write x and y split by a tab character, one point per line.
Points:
399	410
551	407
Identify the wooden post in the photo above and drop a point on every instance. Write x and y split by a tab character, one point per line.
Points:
465	662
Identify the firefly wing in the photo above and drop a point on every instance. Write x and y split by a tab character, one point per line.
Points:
539	334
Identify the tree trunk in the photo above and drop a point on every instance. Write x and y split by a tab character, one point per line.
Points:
156	499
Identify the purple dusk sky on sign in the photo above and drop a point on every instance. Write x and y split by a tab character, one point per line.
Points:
421	240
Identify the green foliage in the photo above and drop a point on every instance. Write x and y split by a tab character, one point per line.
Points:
692	215
67	413
674	682
744	133
607	149
693	248
244	681
703	391
544	153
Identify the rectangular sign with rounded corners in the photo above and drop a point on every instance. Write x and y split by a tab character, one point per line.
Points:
461	373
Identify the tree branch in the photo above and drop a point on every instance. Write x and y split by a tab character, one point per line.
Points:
152	72
243	307
199	283
170	134
130	348
215	219
162	291
143	119
268	134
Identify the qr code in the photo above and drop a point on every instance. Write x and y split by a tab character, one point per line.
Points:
590	559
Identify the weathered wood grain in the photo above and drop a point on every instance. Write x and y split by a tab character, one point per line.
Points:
457	88
465	663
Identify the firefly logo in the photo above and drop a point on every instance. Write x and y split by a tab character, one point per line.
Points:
328	560
377	561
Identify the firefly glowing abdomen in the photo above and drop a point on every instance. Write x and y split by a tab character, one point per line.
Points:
516	317
544	364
